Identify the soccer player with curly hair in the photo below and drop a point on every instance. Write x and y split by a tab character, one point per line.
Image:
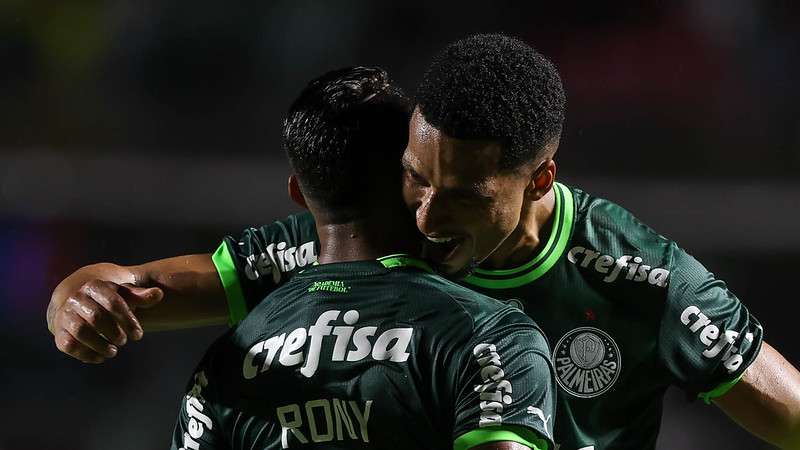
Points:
628	312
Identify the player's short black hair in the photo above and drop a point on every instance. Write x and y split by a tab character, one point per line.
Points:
491	86
344	136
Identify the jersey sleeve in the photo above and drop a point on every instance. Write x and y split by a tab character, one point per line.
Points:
197	427
707	337
257	261
506	390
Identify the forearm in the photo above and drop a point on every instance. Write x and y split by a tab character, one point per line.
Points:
766	401
193	293
784	400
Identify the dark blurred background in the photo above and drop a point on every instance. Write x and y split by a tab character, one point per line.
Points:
132	131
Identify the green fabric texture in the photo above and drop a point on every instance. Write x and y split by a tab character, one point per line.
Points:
223	261
511	433
401	260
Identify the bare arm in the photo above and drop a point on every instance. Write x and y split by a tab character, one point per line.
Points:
91	311
766	401
193	293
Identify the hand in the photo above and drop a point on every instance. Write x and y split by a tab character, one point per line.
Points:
98	318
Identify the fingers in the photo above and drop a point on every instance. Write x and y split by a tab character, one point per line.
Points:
97	317
141	297
92	320
87	336
66	343
106	294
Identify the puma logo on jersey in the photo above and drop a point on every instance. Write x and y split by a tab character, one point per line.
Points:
351	344
277	258
495	388
612	267
714	339
540	414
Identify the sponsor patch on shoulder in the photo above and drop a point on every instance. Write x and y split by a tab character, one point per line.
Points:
279	258
629	267
718	342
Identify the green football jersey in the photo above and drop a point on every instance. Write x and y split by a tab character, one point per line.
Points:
372	354
627	313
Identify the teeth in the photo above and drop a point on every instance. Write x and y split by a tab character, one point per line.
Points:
440	240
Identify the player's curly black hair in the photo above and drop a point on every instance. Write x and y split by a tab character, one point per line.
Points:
491	86
344	135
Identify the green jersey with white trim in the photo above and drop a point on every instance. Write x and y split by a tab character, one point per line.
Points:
372	354
628	313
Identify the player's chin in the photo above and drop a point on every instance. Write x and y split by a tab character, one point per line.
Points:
457	272
456	262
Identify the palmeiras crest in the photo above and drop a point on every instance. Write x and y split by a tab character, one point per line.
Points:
587	362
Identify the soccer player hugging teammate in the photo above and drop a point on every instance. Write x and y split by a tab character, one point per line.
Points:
369	348
628	312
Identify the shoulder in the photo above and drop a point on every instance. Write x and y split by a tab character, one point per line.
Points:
623	256
470	325
613	245
292	229
302	223
282	246
480	311
214	369
607	224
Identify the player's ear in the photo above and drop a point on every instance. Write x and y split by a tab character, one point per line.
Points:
542	180
295	193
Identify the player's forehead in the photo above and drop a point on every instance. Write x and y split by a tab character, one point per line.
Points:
447	161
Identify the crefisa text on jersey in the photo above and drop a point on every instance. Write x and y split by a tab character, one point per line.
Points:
198	421
277	258
709	334
495	389
634	268
391	345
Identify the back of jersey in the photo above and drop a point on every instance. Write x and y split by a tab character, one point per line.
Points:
372	354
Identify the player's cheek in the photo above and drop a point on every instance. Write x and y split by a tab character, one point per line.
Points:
460	258
489	235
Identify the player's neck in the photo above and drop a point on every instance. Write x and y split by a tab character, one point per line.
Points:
364	240
535	226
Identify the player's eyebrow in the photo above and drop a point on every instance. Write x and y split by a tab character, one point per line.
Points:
406	161
474	192
409	167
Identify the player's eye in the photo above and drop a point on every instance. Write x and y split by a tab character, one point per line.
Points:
415	177
472	200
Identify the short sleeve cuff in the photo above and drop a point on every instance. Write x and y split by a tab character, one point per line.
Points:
513	433
237	308
718	391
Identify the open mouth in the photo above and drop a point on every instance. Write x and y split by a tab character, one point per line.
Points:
441	248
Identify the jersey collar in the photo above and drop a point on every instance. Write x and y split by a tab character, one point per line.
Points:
394	261
404	260
564	216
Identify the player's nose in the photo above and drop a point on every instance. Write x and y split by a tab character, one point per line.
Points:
431	214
